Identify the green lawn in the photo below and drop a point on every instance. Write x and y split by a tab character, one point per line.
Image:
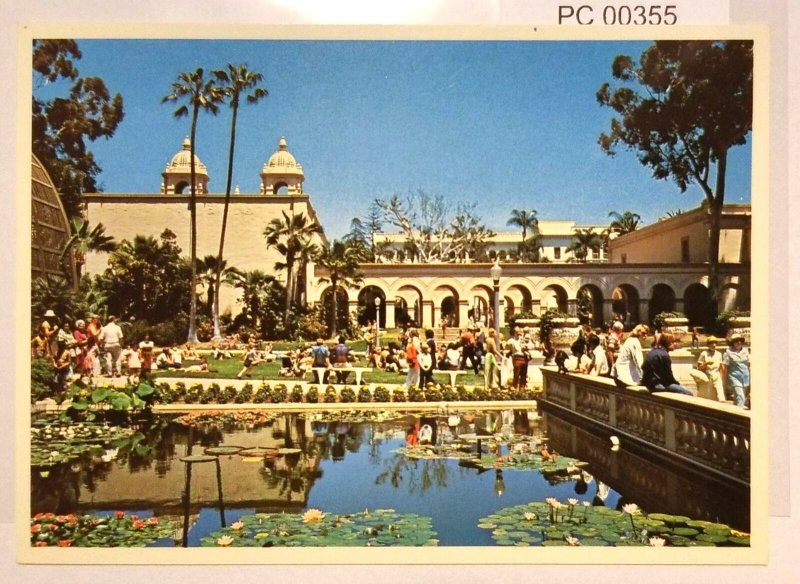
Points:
228	368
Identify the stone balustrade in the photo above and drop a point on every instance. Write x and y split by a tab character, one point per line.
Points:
712	435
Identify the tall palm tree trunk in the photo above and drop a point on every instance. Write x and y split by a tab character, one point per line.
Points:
218	279
192	336
289	291
335	303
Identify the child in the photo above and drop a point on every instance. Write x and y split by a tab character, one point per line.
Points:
425	366
250	360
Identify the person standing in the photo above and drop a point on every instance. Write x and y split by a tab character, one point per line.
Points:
468	351
657	371
111	338
736	370
518	358
709	362
425	366
412	357
627	369
50	328
81	344
62	363
613	342
146	354
491	367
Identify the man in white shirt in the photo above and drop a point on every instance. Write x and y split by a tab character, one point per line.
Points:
111	344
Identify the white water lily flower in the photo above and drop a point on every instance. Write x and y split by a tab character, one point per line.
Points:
572	501
657	542
110	455
224	541
529	516
586	504
572	540
552	501
313	515
237	525
631	509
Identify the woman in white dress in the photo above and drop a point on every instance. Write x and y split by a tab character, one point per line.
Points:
709	363
628	366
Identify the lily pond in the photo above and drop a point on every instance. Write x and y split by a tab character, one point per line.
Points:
364	478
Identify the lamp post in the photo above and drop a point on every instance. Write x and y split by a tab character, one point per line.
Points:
377	321
496	271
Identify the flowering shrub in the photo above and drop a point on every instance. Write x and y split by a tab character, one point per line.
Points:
364	395
296	395
347	395
382	394
263	395
399	395
312	395
280	393
119	530
330	395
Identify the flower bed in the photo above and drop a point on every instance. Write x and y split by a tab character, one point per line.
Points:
119	530
381	527
553	523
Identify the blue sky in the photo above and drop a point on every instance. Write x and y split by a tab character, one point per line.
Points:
501	124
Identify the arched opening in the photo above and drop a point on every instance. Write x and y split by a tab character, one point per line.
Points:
342	309
697	305
625	305
521	299
181	187
408	306
662	299
554	297
280	188
367	309
590	305
446	299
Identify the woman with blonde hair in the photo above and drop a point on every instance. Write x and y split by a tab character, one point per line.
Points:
491	368
628	366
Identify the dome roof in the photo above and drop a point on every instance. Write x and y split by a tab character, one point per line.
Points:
181	162
282	161
49	226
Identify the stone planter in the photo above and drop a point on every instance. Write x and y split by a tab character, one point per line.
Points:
739	325
678	327
565	332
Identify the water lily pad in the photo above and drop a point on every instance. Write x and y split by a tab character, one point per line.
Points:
223	450
255	451
198	458
712	538
685	531
669	519
739	540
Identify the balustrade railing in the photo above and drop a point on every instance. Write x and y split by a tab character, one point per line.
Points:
713	435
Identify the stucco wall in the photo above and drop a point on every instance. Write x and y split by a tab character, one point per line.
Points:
126	216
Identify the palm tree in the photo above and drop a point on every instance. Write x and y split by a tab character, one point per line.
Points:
84	240
289	235
584	241
235	81
253	284
341	262
525	220
207	270
624	223
200	94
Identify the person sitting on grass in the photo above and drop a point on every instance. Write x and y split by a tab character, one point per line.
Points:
251	359
164	359
188	353
221	353
201	367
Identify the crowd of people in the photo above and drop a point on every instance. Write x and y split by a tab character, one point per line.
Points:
92	349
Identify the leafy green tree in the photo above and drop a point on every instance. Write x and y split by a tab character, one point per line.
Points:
146	279
200	94
235	81
84	240
341	262
54	293
262	302
291	237
681	109
624	223
62	126
584	241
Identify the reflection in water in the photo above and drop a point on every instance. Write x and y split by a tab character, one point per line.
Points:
651	483
344	466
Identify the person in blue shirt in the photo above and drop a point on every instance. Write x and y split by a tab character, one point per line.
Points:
657	370
735	369
341	359
322	358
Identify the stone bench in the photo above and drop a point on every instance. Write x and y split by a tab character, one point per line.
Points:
319	372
